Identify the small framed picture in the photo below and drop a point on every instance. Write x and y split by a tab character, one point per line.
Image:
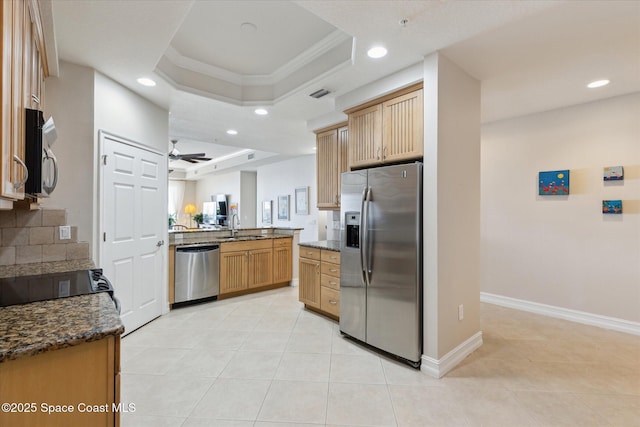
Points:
283	207
613	173
302	201
266	212
612	206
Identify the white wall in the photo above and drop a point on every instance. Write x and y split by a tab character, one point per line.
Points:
248	199
451	206
562	251
228	184
70	101
283	178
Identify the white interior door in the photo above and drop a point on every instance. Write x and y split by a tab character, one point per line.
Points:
133	199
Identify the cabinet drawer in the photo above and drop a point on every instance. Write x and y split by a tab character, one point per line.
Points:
330	269
330	282
330	256
280	243
311	253
330	300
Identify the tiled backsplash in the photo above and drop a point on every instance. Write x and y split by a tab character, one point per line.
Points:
33	238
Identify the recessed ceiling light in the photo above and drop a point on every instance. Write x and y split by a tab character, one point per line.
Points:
232	132
261	111
598	83
144	81
377	52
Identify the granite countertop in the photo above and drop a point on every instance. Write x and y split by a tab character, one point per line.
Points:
38	327
188	240
332	245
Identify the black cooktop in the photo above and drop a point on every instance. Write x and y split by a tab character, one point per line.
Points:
26	289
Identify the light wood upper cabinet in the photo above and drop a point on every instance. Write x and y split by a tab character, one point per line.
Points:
332	160
403	127
388	130
22	74
365	137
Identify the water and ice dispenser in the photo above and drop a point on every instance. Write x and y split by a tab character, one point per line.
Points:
352	222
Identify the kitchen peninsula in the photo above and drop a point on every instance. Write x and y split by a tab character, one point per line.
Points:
251	259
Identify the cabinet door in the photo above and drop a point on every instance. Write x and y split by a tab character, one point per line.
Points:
343	156
13	171
403	127
282	268
233	271
260	267
309	287
327	169
365	137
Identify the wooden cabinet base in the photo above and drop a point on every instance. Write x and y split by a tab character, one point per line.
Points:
78	385
252	290
324	313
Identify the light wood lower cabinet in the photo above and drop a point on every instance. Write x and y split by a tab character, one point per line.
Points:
319	287
254	265
84	377
282	260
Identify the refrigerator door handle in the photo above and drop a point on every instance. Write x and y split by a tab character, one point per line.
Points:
361	236
365	251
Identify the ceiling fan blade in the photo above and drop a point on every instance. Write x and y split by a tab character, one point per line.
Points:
192	155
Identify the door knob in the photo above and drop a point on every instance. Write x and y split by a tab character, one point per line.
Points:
160	243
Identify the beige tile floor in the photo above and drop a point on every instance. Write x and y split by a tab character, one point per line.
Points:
264	361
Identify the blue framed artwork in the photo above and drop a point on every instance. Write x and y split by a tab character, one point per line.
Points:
613	173
612	206
553	183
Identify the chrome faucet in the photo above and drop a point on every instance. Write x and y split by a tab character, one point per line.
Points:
234	217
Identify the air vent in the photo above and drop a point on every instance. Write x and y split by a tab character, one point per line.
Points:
250	156
319	93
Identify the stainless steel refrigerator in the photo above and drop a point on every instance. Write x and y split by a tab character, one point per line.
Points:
381	259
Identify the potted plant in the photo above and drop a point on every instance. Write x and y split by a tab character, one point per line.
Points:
199	219
172	220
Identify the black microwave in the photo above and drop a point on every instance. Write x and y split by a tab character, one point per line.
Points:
42	165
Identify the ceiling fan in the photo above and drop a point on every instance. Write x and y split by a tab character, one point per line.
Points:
174	154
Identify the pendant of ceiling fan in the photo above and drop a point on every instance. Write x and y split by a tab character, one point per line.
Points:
174	154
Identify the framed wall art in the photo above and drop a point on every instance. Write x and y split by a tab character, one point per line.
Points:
302	201
612	206
266	212
283	207
553	183
613	173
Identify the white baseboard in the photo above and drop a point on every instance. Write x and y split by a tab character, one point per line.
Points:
438	368
606	322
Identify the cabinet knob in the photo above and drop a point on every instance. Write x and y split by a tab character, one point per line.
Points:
384	152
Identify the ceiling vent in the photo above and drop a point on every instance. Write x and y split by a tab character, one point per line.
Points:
250	156
319	93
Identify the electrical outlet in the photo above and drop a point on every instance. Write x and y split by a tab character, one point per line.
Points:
460	312
65	232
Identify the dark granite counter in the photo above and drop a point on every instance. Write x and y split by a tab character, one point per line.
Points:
222	236
332	245
38	327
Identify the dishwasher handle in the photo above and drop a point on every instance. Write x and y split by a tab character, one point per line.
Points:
198	248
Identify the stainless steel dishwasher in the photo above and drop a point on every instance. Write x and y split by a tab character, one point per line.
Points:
197	272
